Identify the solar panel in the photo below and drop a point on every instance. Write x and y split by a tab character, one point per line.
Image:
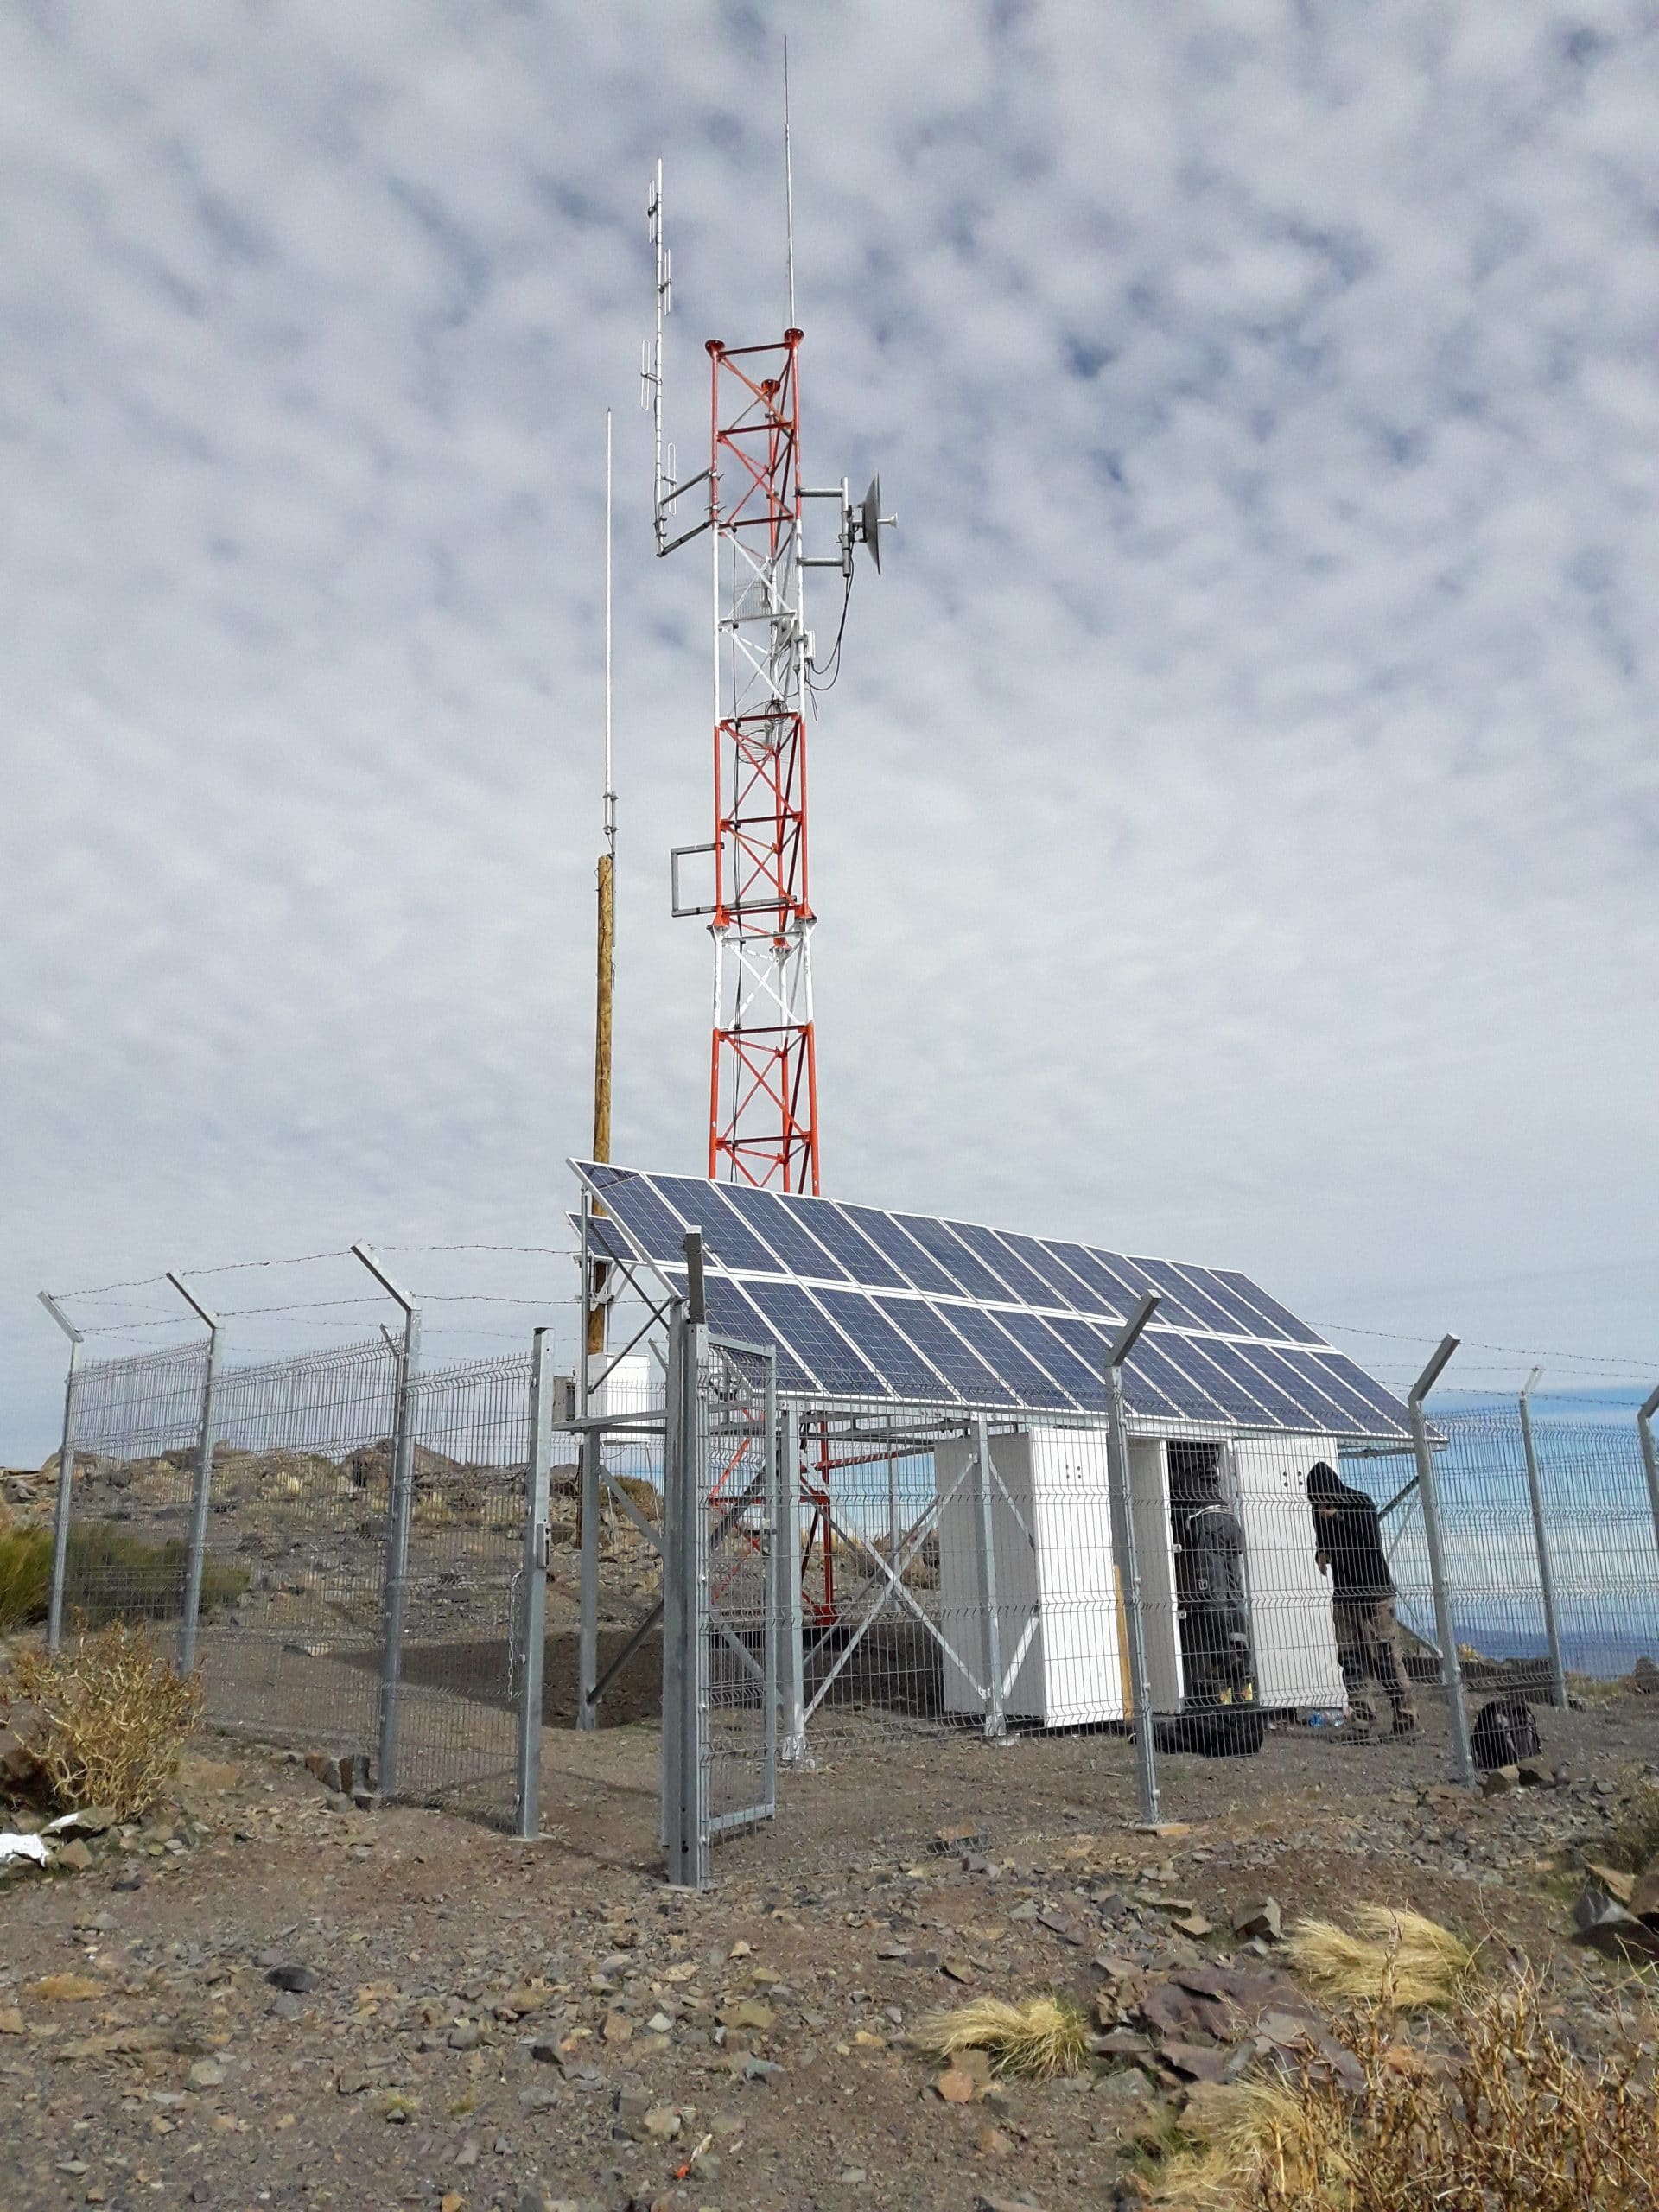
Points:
870	1308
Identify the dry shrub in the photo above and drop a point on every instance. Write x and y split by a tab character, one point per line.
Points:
1511	2120
1037	2040
110	1719
1401	1960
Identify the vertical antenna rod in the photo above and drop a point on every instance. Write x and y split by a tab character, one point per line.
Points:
788	191
606	942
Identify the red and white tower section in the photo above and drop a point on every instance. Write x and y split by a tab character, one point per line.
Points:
763	1110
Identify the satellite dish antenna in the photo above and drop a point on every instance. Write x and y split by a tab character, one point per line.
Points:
870	521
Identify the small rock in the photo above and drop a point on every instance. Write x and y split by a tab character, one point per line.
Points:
206	2074
662	2123
956	2087
746	2013
285	2005
351	2082
1260	1918
1498	1781
618	2028
464	2036
75	1856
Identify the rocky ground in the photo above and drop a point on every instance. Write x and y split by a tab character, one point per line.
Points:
264	1996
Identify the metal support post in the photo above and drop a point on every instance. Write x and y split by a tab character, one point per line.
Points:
1541	1539
1650	1456
587	1633
685	1594
533	1603
1124	1543
400	1506
204	1489
788	1611
990	1626
1451	1667
66	1475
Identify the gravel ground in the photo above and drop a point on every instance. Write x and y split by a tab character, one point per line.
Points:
471	2021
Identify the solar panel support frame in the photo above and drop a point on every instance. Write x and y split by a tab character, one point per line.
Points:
1124	1543
789	1610
996	1724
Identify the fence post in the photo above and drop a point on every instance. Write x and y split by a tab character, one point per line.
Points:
791	1628
1451	1665
685	1809
990	1625
533	1610
66	1475
1124	1543
400	1505
1545	1577
203	1493
1650	1456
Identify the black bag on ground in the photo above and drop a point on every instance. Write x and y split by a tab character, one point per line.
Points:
1216	1732
1504	1734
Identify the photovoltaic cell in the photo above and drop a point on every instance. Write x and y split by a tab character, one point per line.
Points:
1006	1359
1250	1385
837	1230
920	1272
1074	1355
780	1225
940	1345
1158	1358
1177	1283
903	1369
966	1271
726	1238
1240	1319
660	1233
993	1252
1110	1296
841	1370
1060	1287
1269	1308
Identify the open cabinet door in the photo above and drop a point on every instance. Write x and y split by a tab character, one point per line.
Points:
1154	1547
1291	1625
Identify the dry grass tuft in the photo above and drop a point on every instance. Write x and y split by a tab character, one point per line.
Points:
25	1575
1401	1960
1037	2040
1511	2120
108	1575
110	1719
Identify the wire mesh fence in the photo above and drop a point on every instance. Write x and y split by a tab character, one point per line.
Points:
297	1542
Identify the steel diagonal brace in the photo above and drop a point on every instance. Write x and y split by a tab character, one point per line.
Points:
653	1536
897	1581
851	1536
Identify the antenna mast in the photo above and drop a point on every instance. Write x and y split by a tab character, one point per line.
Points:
763	1112
606	941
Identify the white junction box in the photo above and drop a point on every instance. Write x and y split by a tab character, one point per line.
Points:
1061	1630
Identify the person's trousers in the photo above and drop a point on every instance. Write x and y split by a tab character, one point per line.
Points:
1368	1650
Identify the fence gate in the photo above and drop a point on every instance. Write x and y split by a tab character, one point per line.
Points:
720	1644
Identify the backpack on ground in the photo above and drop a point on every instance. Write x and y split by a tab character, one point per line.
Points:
1504	1734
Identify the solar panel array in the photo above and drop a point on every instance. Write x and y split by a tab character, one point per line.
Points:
864	1304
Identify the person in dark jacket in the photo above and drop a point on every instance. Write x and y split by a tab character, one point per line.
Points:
1348	1540
1209	1586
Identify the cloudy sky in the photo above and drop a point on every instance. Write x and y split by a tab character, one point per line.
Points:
1236	829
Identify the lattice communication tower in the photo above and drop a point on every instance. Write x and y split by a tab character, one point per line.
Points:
763	1105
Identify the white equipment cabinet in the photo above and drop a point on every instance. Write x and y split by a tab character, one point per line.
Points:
1060	1625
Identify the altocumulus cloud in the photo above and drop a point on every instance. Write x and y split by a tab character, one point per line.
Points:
1236	824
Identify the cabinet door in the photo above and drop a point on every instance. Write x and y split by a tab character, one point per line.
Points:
1291	1626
